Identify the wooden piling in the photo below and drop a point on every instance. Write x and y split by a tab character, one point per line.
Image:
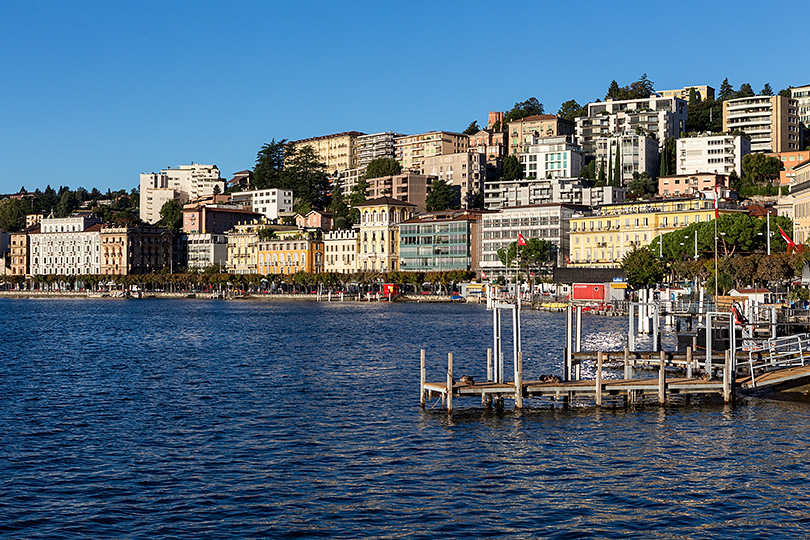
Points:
662	376
628	369
689	362
727	378
489	365
449	382
422	380
599	379
519	382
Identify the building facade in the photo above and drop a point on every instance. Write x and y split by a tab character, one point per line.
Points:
374	146
131	250
720	154
20	251
802	96
771	122
215	218
465	172
337	151
378	232
340	251
183	184
66	246
691	185
525	131
199	251
663	117
243	240
408	187
635	154
551	157
790	160
290	255
702	91
526	192
269	202
411	150
439	241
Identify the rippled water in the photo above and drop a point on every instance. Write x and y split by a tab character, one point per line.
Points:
191	419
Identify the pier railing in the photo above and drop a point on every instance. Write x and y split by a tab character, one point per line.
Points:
776	353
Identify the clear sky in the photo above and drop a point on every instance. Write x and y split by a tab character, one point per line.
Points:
94	93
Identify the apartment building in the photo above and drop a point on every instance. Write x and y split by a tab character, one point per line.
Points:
790	160
374	146
215	218
243	240
271	203
411	150
378	245
661	117
548	222
183	184
527	192
635	153
692	185
799	205
438	241
338	151
133	250
408	186
551	157
771	122
20	250
491	142
702	91
525	131
340	251
286	256
465	172
720	154
198	251
66	246
802	96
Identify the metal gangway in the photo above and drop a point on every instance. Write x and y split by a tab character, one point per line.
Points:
775	354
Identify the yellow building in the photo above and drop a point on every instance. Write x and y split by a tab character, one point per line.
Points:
702	91
338	151
798	204
242	243
300	253
522	132
603	239
379	233
411	150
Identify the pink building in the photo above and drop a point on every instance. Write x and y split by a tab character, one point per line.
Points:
315	219
214	218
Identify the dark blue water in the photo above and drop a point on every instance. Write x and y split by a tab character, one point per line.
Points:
211	419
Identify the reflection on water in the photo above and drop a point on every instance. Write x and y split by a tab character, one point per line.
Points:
243	419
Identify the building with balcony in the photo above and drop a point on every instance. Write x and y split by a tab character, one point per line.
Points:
286	256
551	157
243	240
411	150
66	246
790	160
771	122
215	218
526	192
658	117
133	250
612	231
692	185
340	251
636	154
374	146
20	251
719	154
338	151
183	184
438	241
703	92
378	232
465	172
491	141
802	96
548	222
272	203
408	187
198	251
524	132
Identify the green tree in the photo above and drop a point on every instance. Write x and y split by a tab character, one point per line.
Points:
217	190
477	200
642	267
745	91
472	129
522	109
726	91
785	92
642	185
171	216
305	174
617	170
266	233
667	164
269	165
613	90
12	215
766	90
357	196
440	196
693	98
380	167
601	179
760	168
571	110
511	168
338	204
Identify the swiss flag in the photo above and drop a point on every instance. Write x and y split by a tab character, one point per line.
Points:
521	240
716	206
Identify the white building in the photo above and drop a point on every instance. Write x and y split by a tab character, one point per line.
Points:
340	251
464	171
548	222
205	249
269	202
802	96
375	145
67	246
663	117
525	192
185	183
552	157
711	154
636	154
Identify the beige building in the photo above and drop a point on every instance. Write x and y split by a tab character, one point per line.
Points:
340	251
20	248
374	146
185	183
799	205
464	171
338	151
408	187
523	132
703	92
135	250
286	256
411	150
378	233
243	239
771	122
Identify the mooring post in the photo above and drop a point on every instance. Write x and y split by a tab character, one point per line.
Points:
519	381
568	339
599	379
631	330
579	329
656	329
628	369
689	362
422	380
709	345
489	365
727	378
449	382
662	375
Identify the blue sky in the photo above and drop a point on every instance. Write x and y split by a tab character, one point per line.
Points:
94	93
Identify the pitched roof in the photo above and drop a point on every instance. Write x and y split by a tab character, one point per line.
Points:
387	201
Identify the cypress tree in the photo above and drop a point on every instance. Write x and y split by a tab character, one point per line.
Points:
617	175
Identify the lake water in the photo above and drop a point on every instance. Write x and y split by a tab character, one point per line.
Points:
241	419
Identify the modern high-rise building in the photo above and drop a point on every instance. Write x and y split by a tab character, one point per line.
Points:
411	150
375	145
183	184
720	154
771	122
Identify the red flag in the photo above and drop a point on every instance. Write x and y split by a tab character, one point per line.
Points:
521	240
787	238
716	206
483	275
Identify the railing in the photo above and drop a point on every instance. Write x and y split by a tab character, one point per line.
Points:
776	353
